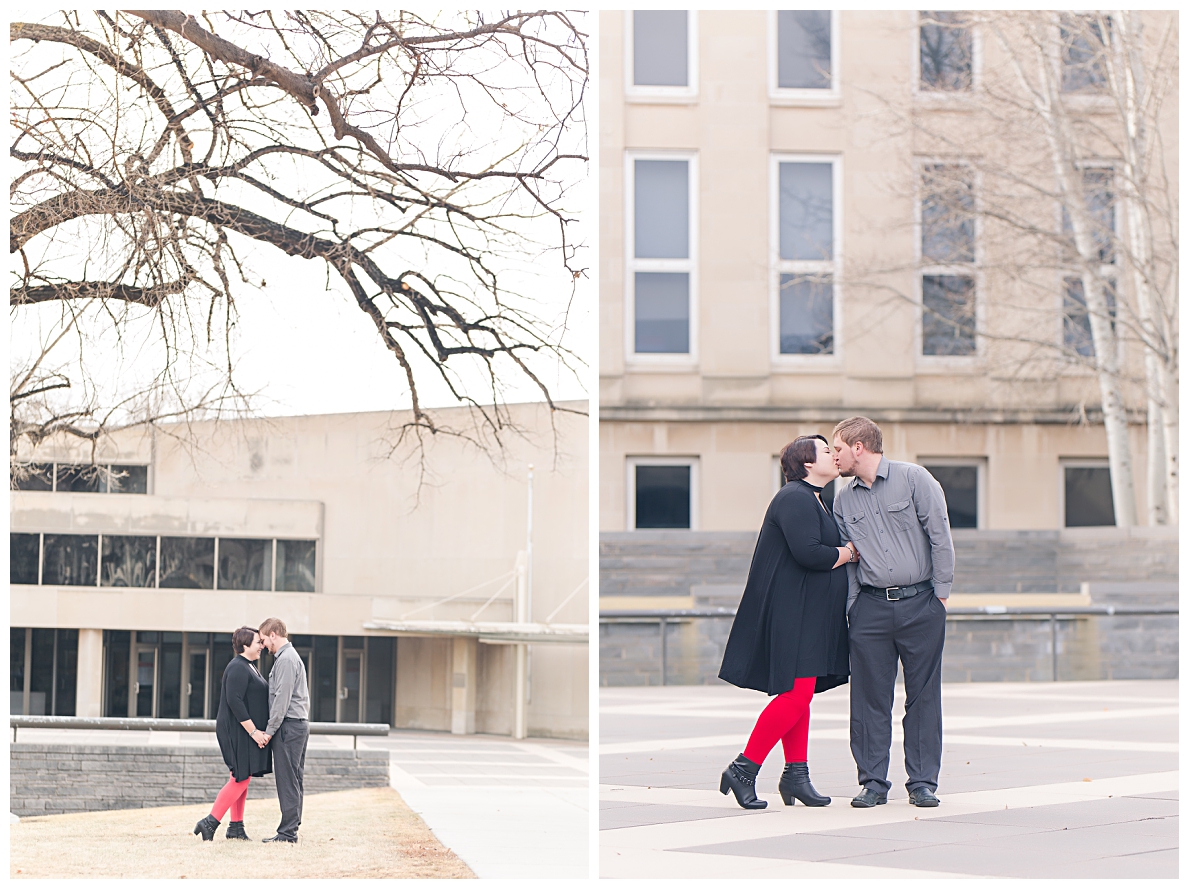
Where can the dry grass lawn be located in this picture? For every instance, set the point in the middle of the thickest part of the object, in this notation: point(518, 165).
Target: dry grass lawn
point(352, 833)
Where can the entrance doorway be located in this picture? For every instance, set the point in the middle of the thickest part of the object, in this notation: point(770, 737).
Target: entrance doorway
point(351, 688)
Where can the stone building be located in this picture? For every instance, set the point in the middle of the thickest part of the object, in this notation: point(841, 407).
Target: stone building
point(400, 592)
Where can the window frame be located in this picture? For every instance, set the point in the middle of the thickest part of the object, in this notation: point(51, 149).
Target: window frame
point(1078, 463)
point(778, 266)
point(631, 462)
point(947, 96)
point(663, 361)
point(946, 363)
point(980, 484)
point(801, 96)
point(677, 95)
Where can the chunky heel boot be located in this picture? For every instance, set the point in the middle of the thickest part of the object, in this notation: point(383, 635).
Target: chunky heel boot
point(740, 777)
point(207, 827)
point(795, 785)
point(235, 831)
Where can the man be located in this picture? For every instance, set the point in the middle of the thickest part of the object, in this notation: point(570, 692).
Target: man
point(288, 726)
point(895, 514)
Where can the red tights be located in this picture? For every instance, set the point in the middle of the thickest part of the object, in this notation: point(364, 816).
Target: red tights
point(785, 719)
point(233, 795)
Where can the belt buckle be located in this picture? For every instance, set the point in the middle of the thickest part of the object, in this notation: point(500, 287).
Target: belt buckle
point(888, 593)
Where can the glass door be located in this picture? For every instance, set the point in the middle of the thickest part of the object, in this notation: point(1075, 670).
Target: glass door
point(349, 692)
point(196, 687)
point(146, 680)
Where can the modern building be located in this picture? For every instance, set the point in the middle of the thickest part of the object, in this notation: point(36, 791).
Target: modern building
point(407, 580)
point(772, 262)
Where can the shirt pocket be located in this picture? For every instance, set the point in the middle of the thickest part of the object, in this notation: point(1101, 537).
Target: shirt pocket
point(856, 525)
point(900, 515)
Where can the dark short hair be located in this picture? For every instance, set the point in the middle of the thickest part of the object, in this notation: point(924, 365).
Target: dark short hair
point(854, 429)
point(274, 625)
point(796, 454)
point(242, 638)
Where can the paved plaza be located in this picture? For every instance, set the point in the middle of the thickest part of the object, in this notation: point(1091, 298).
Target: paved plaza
point(1043, 780)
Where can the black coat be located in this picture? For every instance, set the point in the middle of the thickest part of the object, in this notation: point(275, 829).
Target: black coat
point(244, 696)
point(791, 621)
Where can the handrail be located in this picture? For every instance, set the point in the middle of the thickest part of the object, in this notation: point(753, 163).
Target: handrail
point(663, 616)
point(140, 723)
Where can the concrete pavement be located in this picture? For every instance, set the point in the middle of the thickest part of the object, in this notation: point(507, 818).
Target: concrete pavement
point(1041, 780)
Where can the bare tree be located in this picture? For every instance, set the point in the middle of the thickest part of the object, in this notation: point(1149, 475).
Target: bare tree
point(425, 165)
point(1055, 164)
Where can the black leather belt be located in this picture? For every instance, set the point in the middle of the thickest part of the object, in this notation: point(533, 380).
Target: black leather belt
point(896, 593)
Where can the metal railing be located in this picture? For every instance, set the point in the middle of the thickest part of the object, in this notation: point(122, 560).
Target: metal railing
point(664, 616)
point(140, 724)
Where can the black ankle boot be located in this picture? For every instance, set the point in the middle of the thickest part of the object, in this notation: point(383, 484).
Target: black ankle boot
point(235, 831)
point(740, 777)
point(207, 827)
point(794, 784)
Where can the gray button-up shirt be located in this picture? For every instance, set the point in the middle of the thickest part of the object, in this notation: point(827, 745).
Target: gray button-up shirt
point(900, 525)
point(288, 690)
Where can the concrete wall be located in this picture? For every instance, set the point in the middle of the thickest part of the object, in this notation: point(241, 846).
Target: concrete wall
point(52, 779)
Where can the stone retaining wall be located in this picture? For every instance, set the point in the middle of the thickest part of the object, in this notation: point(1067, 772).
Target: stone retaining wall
point(53, 779)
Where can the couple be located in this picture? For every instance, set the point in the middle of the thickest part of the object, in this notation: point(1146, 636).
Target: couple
point(845, 593)
point(282, 705)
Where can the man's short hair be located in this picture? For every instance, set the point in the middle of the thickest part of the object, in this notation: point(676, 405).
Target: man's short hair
point(274, 625)
point(861, 429)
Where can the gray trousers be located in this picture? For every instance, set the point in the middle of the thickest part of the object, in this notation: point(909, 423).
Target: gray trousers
point(289, 765)
point(911, 631)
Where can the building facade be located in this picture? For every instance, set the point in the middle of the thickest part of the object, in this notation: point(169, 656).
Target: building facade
point(399, 577)
point(772, 262)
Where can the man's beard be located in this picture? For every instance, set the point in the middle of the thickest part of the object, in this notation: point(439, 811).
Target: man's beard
point(846, 473)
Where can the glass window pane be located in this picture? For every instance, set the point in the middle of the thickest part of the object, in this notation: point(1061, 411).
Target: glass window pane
point(323, 683)
point(1088, 500)
point(71, 560)
point(803, 49)
point(1082, 50)
point(16, 670)
point(187, 563)
point(660, 47)
point(1098, 190)
point(662, 496)
point(23, 553)
point(295, 566)
point(121, 479)
point(128, 561)
point(169, 700)
point(947, 214)
point(806, 316)
point(662, 209)
point(32, 477)
point(380, 653)
point(116, 644)
point(41, 673)
point(946, 51)
point(67, 674)
point(948, 316)
point(80, 478)
point(245, 564)
point(807, 211)
point(960, 484)
point(1075, 322)
point(662, 312)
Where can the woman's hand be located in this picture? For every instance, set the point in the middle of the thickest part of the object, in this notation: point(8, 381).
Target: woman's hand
point(846, 554)
point(260, 738)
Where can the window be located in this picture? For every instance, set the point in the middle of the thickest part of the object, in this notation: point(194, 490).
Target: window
point(32, 477)
point(1088, 498)
point(804, 50)
point(1098, 193)
point(1075, 319)
point(295, 565)
point(661, 265)
point(662, 492)
point(81, 478)
point(947, 52)
point(187, 563)
point(128, 561)
point(960, 482)
point(245, 564)
point(24, 557)
point(661, 53)
point(70, 560)
point(1083, 45)
point(805, 236)
point(125, 480)
point(48, 686)
point(948, 254)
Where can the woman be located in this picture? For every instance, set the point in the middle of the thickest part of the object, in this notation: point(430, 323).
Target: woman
point(789, 636)
point(244, 700)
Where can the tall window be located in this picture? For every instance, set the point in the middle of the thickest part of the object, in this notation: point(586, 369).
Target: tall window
point(1075, 321)
point(1098, 195)
point(804, 52)
point(948, 255)
point(662, 492)
point(1088, 498)
point(960, 482)
point(805, 248)
point(947, 52)
point(661, 52)
point(661, 267)
point(1084, 43)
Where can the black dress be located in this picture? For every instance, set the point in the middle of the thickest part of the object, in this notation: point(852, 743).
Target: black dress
point(244, 696)
point(791, 621)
